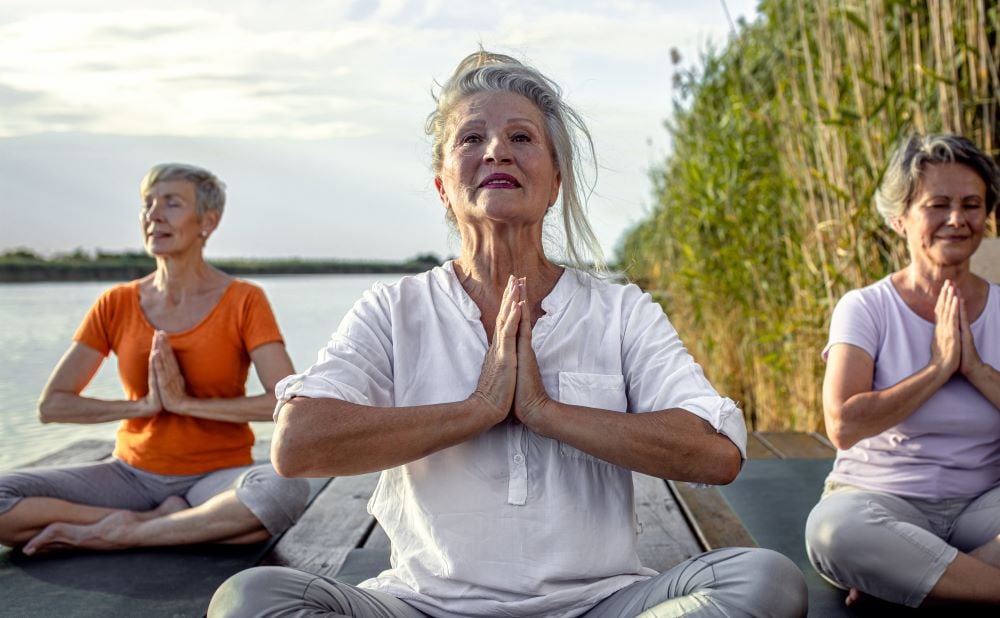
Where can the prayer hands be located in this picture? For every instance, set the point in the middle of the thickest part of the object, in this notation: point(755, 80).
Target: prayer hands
point(167, 390)
point(953, 347)
point(510, 382)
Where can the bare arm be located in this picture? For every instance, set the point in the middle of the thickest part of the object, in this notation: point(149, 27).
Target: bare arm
point(270, 360)
point(331, 437)
point(853, 411)
point(983, 376)
point(61, 401)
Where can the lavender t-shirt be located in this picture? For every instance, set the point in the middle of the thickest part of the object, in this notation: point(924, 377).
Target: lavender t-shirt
point(950, 446)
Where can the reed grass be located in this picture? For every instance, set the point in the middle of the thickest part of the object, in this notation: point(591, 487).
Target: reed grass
point(763, 212)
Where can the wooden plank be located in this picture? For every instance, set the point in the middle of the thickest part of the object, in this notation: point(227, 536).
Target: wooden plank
point(756, 449)
point(711, 519)
point(335, 523)
point(665, 539)
point(377, 539)
point(83, 451)
point(795, 445)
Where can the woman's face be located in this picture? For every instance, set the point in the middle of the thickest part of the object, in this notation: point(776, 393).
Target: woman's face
point(497, 163)
point(944, 221)
point(169, 218)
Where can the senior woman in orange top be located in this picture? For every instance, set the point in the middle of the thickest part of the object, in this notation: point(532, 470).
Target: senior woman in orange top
point(184, 336)
point(492, 392)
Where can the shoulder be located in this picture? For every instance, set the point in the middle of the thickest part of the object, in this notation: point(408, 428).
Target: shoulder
point(120, 294)
point(874, 298)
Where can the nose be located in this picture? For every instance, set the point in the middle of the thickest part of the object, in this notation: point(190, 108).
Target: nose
point(956, 215)
point(152, 211)
point(497, 150)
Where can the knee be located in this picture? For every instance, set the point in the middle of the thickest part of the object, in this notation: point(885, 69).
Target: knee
point(780, 585)
point(276, 501)
point(831, 531)
point(238, 594)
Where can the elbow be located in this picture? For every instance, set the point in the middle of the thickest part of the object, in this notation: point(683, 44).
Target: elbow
point(46, 412)
point(290, 445)
point(730, 464)
point(838, 431)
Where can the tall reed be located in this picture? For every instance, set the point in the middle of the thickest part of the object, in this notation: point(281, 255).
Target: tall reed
point(763, 215)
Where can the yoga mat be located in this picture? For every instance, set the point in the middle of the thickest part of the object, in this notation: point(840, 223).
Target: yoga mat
point(147, 583)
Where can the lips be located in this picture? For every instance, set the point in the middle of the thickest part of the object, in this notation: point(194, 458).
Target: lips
point(499, 181)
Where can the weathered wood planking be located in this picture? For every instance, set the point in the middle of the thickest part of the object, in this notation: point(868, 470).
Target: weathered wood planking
point(665, 539)
point(794, 445)
point(335, 523)
point(84, 451)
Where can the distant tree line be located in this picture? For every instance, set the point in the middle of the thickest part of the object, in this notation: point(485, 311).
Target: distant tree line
point(24, 265)
point(763, 212)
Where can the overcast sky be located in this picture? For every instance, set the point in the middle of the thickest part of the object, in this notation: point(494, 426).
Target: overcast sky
point(312, 112)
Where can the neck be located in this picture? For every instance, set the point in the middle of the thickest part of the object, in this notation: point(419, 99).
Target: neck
point(488, 260)
point(929, 278)
point(177, 275)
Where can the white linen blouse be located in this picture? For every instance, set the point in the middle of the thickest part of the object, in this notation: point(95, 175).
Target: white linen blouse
point(510, 523)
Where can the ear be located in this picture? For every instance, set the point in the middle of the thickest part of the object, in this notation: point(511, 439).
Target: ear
point(209, 221)
point(897, 224)
point(554, 194)
point(439, 185)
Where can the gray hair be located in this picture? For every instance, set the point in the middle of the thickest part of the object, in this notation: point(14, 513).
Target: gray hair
point(485, 71)
point(210, 192)
point(899, 183)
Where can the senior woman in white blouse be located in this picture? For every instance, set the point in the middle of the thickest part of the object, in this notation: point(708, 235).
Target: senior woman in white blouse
point(506, 400)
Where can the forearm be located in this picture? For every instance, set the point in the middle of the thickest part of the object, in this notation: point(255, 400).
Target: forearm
point(234, 410)
point(670, 444)
point(986, 378)
point(870, 413)
point(330, 437)
point(60, 407)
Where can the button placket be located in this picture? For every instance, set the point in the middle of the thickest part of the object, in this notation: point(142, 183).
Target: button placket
point(517, 466)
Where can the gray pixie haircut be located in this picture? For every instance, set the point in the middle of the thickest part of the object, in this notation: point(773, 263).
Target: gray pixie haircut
point(210, 192)
point(899, 184)
point(485, 71)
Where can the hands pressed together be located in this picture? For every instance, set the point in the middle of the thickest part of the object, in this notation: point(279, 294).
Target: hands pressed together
point(166, 384)
point(953, 348)
point(510, 382)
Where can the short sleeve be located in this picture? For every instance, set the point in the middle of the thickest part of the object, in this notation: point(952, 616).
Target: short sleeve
point(855, 322)
point(660, 374)
point(356, 365)
point(95, 330)
point(259, 325)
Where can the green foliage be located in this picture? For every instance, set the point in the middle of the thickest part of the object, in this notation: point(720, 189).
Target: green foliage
point(763, 214)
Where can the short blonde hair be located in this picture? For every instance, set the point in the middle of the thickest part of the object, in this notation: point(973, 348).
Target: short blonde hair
point(210, 192)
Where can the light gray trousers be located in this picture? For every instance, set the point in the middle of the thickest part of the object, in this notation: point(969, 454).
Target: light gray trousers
point(891, 547)
point(276, 501)
point(724, 582)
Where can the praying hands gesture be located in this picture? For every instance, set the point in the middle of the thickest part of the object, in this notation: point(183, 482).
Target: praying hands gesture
point(510, 382)
point(953, 349)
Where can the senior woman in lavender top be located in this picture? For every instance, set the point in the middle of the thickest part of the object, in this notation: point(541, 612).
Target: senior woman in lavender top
point(911, 511)
point(507, 399)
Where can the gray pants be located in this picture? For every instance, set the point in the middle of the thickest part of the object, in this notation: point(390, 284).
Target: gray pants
point(724, 582)
point(891, 547)
point(276, 501)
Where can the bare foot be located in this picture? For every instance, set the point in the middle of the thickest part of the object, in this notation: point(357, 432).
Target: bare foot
point(112, 532)
point(853, 596)
point(988, 552)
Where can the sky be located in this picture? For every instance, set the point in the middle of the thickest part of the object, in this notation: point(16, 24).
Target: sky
point(312, 113)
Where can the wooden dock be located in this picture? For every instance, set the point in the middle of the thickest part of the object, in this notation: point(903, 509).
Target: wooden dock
point(337, 537)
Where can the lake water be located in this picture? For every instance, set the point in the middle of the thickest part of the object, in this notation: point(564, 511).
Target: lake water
point(37, 321)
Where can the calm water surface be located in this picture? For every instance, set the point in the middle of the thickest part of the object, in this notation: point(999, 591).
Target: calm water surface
point(37, 321)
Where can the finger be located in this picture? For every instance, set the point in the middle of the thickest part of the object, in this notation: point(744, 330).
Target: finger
point(505, 299)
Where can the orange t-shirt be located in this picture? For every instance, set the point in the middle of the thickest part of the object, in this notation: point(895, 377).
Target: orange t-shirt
point(214, 359)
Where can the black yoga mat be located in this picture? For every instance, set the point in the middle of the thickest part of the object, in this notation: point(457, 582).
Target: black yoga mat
point(773, 497)
point(148, 583)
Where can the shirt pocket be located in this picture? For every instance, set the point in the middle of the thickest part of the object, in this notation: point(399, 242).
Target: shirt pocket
point(593, 390)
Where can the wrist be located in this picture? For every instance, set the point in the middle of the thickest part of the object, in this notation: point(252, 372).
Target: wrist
point(539, 416)
point(486, 408)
